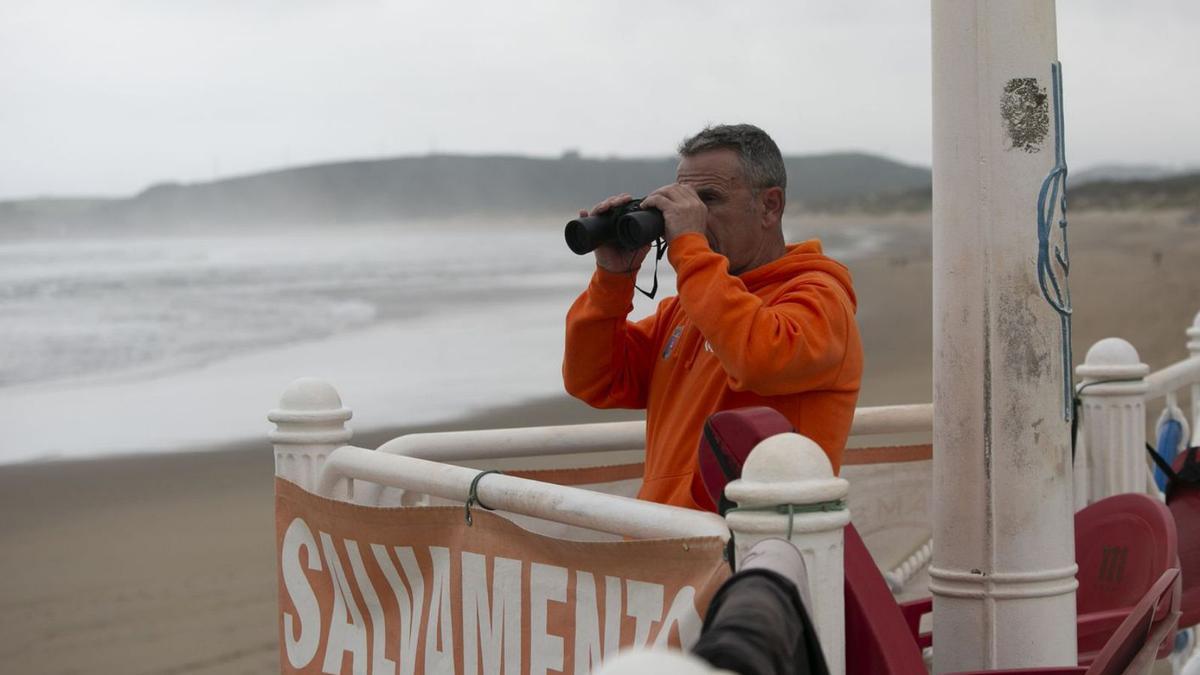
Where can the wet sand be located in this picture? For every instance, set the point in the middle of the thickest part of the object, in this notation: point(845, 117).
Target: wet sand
point(164, 563)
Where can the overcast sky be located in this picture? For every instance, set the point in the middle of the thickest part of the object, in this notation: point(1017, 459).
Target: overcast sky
point(105, 97)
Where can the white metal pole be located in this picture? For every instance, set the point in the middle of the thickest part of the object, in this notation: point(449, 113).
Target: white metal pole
point(1003, 572)
point(310, 423)
point(1111, 458)
point(789, 469)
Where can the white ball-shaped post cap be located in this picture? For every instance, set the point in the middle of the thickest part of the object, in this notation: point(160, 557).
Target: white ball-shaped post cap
point(310, 393)
point(1112, 358)
point(657, 662)
point(786, 457)
point(786, 469)
point(310, 412)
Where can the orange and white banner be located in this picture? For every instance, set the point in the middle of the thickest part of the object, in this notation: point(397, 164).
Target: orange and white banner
point(416, 590)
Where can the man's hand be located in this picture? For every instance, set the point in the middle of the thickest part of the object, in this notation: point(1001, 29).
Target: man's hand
point(681, 207)
point(609, 256)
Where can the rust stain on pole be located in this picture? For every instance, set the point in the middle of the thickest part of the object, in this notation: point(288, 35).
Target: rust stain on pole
point(1025, 109)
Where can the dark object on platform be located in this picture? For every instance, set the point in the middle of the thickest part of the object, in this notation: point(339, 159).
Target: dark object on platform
point(729, 436)
point(629, 226)
point(756, 625)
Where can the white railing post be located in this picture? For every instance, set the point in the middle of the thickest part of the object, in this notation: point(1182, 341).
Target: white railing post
point(310, 423)
point(791, 470)
point(1110, 456)
point(1193, 346)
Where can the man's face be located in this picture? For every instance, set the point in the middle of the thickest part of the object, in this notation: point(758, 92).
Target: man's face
point(735, 226)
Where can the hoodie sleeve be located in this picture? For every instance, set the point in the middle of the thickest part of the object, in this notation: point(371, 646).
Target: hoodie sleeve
point(608, 360)
point(797, 342)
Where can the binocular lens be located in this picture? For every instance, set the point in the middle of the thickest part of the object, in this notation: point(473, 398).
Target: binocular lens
point(627, 226)
point(585, 234)
point(640, 228)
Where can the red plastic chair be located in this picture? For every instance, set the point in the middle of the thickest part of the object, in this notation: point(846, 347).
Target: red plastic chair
point(878, 637)
point(1134, 644)
point(878, 640)
point(1183, 499)
point(1123, 544)
point(881, 636)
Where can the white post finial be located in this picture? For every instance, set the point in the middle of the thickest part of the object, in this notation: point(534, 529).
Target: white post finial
point(1110, 456)
point(789, 469)
point(309, 424)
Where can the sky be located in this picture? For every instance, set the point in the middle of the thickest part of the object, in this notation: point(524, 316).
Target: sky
point(106, 97)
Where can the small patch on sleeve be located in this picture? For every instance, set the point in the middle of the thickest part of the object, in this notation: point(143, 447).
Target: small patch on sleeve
point(671, 341)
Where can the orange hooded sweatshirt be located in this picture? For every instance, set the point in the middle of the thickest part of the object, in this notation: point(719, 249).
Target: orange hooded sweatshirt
point(781, 335)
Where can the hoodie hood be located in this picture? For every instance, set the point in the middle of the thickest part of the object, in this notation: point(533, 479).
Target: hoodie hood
point(803, 258)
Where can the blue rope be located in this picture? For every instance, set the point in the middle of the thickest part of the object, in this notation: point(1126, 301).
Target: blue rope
point(1052, 197)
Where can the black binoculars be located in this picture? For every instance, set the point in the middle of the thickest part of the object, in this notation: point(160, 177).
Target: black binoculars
point(629, 226)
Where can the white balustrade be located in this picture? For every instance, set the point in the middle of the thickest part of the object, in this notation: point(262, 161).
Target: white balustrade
point(1109, 453)
point(309, 423)
point(1115, 393)
point(789, 470)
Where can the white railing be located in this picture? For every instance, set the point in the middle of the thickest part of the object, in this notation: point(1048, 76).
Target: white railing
point(1115, 391)
point(459, 446)
point(567, 505)
point(787, 469)
point(613, 437)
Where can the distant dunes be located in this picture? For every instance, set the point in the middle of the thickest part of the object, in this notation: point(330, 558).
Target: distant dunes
point(1173, 192)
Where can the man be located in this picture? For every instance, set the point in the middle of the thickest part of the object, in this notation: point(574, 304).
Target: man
point(756, 321)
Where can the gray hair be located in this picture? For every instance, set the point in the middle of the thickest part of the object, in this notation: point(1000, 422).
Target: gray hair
point(762, 163)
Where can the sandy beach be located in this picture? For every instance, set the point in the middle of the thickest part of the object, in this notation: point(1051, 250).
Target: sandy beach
point(164, 563)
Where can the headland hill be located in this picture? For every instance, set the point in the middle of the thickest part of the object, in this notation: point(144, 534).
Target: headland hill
point(474, 188)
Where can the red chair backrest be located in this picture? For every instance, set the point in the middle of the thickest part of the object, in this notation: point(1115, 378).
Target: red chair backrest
point(729, 436)
point(1183, 499)
point(1122, 545)
point(878, 640)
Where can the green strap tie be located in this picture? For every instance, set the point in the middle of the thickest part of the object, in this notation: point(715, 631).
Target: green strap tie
point(792, 509)
point(473, 495)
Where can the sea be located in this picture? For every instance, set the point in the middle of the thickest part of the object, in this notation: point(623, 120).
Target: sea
point(130, 344)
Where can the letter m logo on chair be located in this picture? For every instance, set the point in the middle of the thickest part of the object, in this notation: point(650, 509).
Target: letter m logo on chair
point(1112, 565)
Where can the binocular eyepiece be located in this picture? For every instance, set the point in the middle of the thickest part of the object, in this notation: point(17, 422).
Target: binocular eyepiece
point(629, 226)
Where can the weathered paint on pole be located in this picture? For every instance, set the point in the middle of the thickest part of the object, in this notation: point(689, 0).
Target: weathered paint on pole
point(1003, 572)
